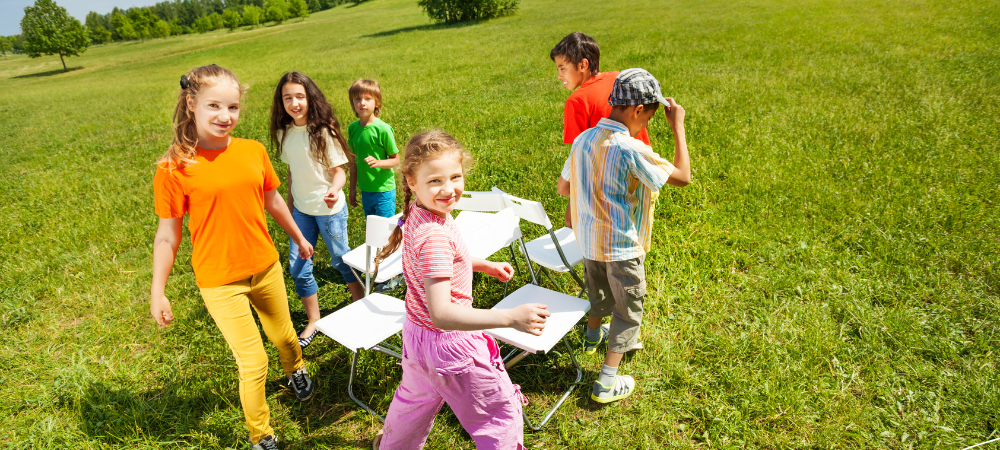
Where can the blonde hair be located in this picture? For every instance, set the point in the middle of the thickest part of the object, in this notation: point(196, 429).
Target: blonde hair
point(419, 149)
point(184, 147)
point(361, 87)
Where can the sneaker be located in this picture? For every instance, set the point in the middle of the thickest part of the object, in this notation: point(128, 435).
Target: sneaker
point(377, 441)
point(590, 347)
point(268, 443)
point(621, 388)
point(301, 384)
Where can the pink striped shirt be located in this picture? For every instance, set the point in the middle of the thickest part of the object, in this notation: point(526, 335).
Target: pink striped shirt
point(433, 248)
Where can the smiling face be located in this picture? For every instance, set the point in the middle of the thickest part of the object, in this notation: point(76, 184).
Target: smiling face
point(216, 112)
point(364, 105)
point(438, 183)
point(293, 95)
point(572, 75)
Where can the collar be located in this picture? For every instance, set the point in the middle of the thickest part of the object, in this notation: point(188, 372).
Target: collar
point(612, 125)
point(423, 215)
point(593, 79)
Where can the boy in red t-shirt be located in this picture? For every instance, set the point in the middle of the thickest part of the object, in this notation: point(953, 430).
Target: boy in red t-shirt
point(577, 58)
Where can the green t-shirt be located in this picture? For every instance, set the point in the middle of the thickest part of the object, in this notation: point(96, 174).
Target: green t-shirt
point(378, 140)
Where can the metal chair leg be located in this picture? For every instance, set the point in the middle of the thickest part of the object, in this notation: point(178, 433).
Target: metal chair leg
point(350, 388)
point(551, 412)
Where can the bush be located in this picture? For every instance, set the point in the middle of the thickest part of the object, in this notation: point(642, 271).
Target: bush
point(452, 11)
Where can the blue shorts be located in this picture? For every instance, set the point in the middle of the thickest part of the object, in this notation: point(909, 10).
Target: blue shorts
point(379, 203)
point(334, 231)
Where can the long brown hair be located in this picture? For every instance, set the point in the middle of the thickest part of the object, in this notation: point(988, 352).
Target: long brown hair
point(184, 147)
point(420, 148)
point(321, 121)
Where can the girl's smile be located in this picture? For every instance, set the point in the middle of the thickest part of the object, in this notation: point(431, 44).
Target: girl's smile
point(438, 183)
point(216, 113)
point(293, 95)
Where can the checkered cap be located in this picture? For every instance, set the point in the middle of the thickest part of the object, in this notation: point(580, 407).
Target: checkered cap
point(635, 87)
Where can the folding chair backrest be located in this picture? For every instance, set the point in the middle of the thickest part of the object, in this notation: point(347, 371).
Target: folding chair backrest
point(529, 210)
point(378, 229)
point(481, 201)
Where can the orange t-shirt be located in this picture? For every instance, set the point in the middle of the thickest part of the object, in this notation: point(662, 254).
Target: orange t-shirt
point(223, 195)
point(588, 104)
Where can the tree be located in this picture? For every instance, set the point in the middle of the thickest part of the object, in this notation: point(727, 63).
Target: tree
point(252, 15)
point(5, 46)
point(202, 24)
point(124, 28)
point(275, 10)
point(298, 8)
point(231, 19)
point(49, 30)
point(216, 20)
point(161, 29)
point(452, 11)
point(95, 28)
point(176, 29)
point(143, 20)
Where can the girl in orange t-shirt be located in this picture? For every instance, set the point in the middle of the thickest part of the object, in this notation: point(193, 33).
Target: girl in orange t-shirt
point(224, 185)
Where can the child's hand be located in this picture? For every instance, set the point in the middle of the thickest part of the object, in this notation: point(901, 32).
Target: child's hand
point(529, 318)
point(674, 114)
point(331, 198)
point(372, 162)
point(352, 199)
point(500, 270)
point(160, 309)
point(305, 249)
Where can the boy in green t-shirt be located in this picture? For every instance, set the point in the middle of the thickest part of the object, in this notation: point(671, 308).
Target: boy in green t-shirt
point(374, 145)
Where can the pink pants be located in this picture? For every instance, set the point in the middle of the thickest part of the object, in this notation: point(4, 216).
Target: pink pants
point(464, 369)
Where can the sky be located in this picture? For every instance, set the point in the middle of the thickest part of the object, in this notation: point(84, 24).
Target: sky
point(11, 11)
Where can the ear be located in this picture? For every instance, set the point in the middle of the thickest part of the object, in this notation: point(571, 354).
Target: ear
point(410, 182)
point(638, 111)
point(584, 65)
point(190, 103)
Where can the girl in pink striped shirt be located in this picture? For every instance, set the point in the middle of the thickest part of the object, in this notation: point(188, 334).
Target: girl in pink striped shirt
point(446, 358)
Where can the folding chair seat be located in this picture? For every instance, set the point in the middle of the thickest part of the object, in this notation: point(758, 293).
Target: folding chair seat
point(557, 251)
point(566, 312)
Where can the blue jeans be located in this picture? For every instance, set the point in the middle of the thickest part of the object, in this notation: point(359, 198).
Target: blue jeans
point(379, 203)
point(334, 231)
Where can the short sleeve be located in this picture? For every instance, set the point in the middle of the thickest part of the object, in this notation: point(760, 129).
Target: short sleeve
point(168, 195)
point(437, 254)
point(335, 151)
point(271, 181)
point(281, 141)
point(574, 118)
point(388, 138)
point(649, 167)
point(567, 166)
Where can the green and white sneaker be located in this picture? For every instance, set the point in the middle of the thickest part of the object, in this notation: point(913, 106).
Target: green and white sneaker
point(590, 347)
point(621, 388)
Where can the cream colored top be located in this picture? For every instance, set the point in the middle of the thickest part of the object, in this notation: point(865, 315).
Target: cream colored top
point(310, 180)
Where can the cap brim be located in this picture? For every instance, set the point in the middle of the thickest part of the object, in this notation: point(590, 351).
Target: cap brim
point(663, 100)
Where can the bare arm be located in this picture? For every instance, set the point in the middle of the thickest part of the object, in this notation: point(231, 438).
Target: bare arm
point(276, 207)
point(352, 197)
point(339, 179)
point(387, 163)
point(165, 243)
point(563, 189)
point(291, 198)
point(681, 176)
point(529, 318)
point(499, 270)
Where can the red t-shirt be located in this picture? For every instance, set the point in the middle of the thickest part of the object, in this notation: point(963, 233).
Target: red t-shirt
point(433, 248)
point(223, 195)
point(588, 105)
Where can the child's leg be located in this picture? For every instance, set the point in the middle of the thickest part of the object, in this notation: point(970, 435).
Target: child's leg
point(628, 283)
point(379, 203)
point(269, 298)
point(334, 231)
point(301, 270)
point(602, 302)
point(479, 391)
point(229, 306)
point(415, 403)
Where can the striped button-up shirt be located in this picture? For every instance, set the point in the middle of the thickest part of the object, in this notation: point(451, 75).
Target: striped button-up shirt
point(614, 181)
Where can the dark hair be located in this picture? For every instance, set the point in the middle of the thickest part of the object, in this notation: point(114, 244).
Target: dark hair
point(420, 148)
point(576, 47)
point(320, 119)
point(645, 107)
point(184, 147)
point(361, 87)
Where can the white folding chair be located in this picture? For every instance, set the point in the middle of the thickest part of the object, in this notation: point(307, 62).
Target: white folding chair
point(366, 323)
point(488, 224)
point(558, 251)
point(362, 258)
point(566, 312)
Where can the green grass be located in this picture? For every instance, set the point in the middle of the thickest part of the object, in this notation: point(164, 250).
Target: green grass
point(829, 280)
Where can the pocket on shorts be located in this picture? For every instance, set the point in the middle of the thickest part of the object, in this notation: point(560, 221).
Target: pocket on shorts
point(637, 291)
point(453, 358)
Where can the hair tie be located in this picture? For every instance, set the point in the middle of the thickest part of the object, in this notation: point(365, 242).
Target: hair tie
point(400, 222)
point(185, 82)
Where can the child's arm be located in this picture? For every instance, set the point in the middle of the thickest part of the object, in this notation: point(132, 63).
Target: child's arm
point(165, 243)
point(499, 270)
point(352, 197)
point(563, 189)
point(389, 162)
point(276, 207)
point(339, 179)
point(291, 199)
point(529, 318)
point(681, 176)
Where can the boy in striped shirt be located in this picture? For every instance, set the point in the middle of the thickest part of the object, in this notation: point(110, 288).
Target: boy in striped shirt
point(612, 180)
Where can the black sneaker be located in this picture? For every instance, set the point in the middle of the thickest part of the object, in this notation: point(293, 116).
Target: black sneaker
point(268, 443)
point(301, 384)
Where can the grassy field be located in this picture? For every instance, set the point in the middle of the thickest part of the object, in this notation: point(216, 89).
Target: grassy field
point(829, 279)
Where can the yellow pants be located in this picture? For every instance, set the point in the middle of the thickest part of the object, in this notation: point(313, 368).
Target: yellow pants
point(230, 306)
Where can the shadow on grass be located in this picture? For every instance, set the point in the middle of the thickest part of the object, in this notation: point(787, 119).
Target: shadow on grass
point(427, 27)
point(48, 73)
